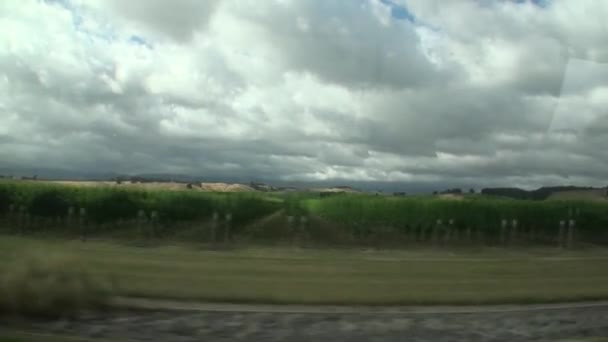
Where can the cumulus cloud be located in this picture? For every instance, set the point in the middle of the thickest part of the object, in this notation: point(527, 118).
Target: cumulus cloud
point(416, 91)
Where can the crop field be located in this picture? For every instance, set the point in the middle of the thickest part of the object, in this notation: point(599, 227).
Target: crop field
point(341, 219)
point(485, 218)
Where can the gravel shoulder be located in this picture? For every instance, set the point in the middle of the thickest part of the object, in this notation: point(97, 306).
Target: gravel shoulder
point(160, 305)
point(166, 321)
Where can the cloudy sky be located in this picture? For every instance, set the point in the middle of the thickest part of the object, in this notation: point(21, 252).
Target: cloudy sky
point(473, 92)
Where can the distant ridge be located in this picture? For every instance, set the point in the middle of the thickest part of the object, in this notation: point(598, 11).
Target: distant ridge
point(542, 193)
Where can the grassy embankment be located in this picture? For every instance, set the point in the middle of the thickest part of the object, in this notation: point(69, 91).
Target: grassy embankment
point(271, 275)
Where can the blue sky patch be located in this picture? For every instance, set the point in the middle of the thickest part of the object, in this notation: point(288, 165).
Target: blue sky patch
point(399, 12)
point(138, 40)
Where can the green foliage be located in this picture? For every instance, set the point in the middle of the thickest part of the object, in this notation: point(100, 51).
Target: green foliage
point(5, 200)
point(114, 205)
point(294, 204)
point(108, 204)
point(483, 213)
point(356, 215)
point(50, 203)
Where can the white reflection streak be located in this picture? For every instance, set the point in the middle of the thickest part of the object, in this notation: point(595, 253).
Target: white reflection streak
point(571, 114)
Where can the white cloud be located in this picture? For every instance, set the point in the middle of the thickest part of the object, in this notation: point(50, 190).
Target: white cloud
point(473, 92)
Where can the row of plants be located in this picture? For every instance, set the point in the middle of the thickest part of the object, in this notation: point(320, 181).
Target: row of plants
point(482, 213)
point(107, 204)
point(363, 215)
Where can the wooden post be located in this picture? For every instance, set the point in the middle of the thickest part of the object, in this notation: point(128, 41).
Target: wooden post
point(303, 226)
point(514, 225)
point(227, 230)
point(435, 236)
point(503, 232)
point(561, 234)
point(571, 227)
point(479, 236)
point(141, 220)
point(448, 233)
point(303, 222)
point(532, 235)
point(154, 222)
point(27, 220)
point(290, 225)
point(82, 223)
point(11, 218)
point(21, 220)
point(70, 217)
point(214, 225)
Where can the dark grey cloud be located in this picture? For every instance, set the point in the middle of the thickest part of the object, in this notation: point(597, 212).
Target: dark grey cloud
point(344, 43)
point(178, 19)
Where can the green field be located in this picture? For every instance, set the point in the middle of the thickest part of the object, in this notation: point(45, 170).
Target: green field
point(286, 275)
point(355, 219)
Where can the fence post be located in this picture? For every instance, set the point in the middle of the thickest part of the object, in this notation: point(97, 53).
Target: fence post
point(448, 233)
point(11, 218)
point(141, 219)
point(22, 219)
point(514, 225)
point(82, 223)
point(533, 235)
point(303, 222)
point(407, 231)
point(291, 228)
point(561, 234)
point(468, 234)
point(435, 234)
point(214, 224)
point(227, 231)
point(154, 222)
point(503, 232)
point(571, 227)
point(303, 226)
point(70, 217)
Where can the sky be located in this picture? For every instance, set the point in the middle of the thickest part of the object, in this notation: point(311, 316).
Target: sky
point(475, 92)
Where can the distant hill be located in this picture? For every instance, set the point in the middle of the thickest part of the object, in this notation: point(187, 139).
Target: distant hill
point(592, 194)
point(553, 192)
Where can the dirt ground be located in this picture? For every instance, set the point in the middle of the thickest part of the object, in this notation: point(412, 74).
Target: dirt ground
point(536, 323)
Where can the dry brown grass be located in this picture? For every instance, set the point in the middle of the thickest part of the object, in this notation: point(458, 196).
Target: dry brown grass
point(172, 186)
point(50, 285)
point(588, 195)
point(225, 187)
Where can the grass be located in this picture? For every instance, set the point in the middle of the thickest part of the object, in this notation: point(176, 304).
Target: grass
point(17, 336)
point(284, 275)
point(47, 283)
